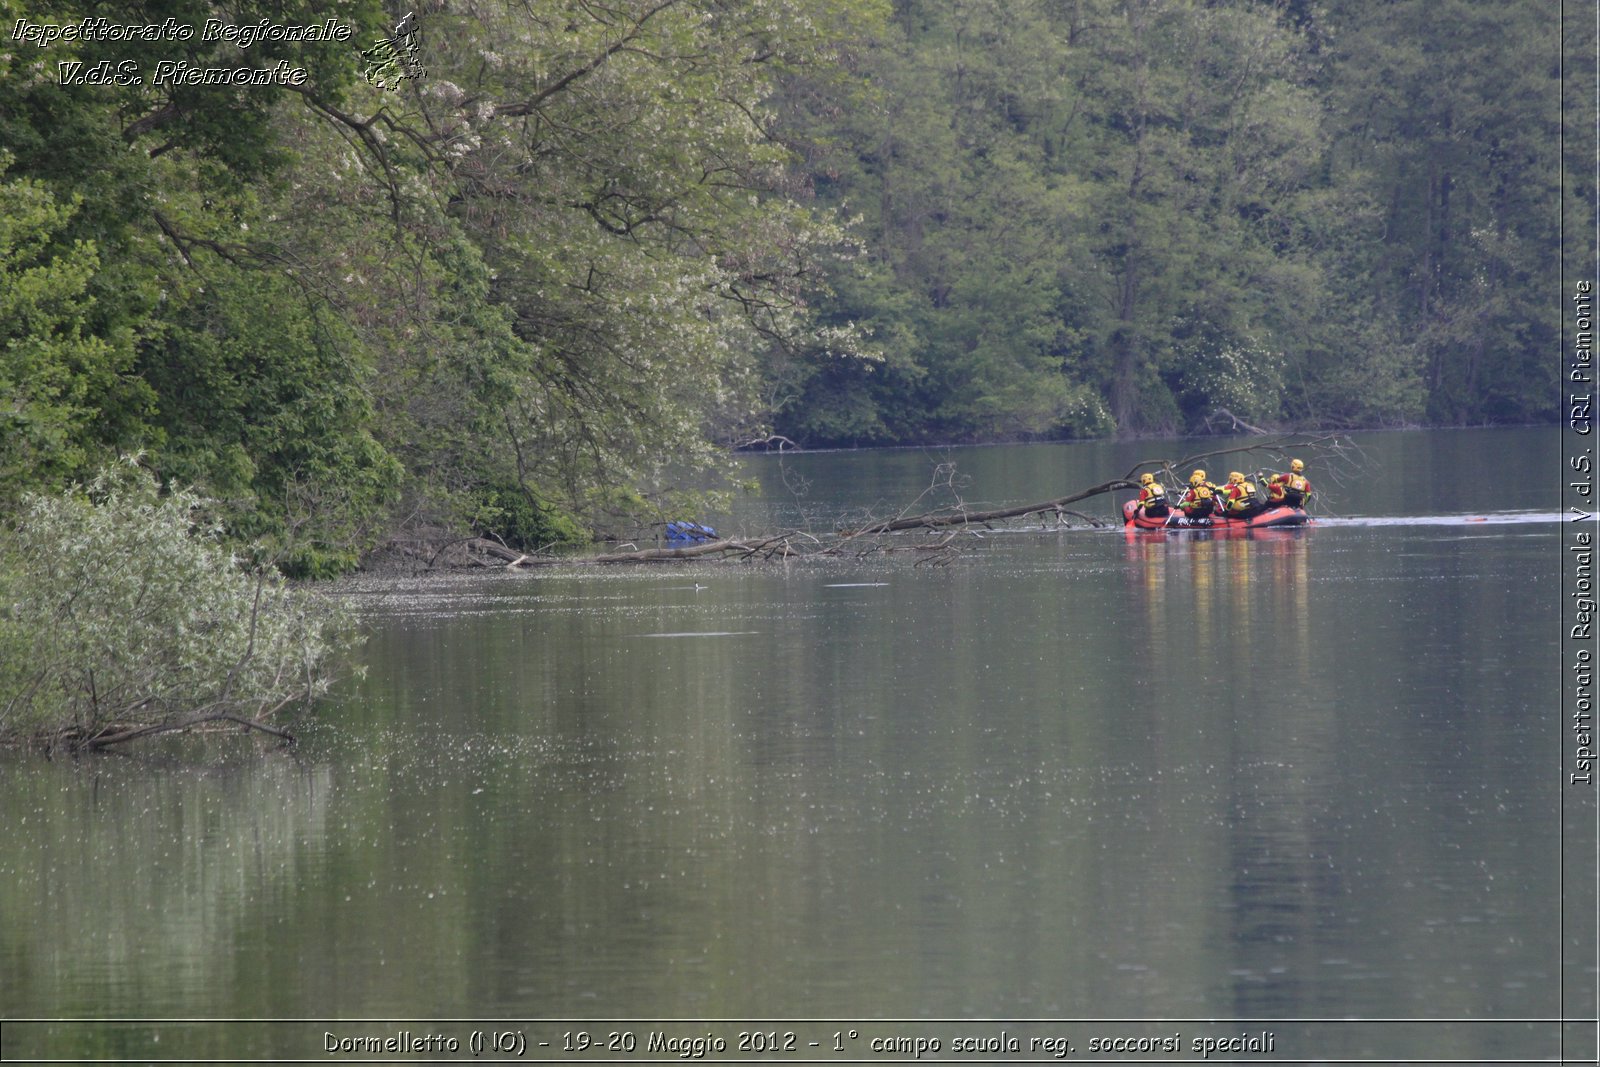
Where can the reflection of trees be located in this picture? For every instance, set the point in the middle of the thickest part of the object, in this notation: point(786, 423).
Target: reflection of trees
point(1041, 783)
point(133, 879)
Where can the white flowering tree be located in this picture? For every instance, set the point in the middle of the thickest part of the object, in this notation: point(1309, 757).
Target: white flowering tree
point(635, 216)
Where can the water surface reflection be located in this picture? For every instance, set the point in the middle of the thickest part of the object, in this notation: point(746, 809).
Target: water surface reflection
point(1075, 774)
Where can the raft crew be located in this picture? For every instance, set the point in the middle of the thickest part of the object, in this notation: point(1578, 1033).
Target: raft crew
point(1290, 489)
point(1199, 499)
point(1239, 497)
point(1152, 497)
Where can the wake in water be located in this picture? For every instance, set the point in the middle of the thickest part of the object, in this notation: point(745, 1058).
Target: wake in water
point(1490, 517)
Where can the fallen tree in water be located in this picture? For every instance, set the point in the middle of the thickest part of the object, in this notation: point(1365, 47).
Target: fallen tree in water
point(871, 535)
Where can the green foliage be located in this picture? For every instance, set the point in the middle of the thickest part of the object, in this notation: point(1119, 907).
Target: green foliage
point(1467, 171)
point(147, 311)
point(230, 125)
point(265, 402)
point(1164, 208)
point(123, 606)
point(512, 513)
point(1216, 372)
point(1049, 193)
point(56, 377)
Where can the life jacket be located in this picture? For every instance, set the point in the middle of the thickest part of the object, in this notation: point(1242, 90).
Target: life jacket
point(1241, 496)
point(1153, 499)
point(1290, 489)
point(1199, 500)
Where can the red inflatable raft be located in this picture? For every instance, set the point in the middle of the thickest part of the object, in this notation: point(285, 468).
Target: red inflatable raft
point(1271, 518)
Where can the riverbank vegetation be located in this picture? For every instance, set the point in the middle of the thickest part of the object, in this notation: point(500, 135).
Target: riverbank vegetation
point(541, 277)
point(123, 614)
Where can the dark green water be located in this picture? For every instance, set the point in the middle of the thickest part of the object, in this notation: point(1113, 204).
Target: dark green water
point(1073, 775)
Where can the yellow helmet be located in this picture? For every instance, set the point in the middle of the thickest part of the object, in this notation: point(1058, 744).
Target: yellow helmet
point(1197, 477)
point(1235, 476)
point(1146, 478)
point(1296, 466)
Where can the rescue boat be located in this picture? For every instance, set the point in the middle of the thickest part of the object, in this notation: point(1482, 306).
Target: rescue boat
point(1269, 518)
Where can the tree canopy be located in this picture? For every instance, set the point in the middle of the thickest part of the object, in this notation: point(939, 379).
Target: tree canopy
point(1093, 216)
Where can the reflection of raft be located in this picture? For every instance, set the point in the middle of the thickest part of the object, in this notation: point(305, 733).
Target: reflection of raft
point(1271, 518)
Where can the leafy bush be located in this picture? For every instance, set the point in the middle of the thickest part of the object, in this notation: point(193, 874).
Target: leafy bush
point(121, 610)
point(521, 520)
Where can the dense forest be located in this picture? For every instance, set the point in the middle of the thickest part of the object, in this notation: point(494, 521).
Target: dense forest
point(534, 267)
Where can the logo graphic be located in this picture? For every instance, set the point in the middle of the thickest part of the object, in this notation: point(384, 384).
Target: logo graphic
point(394, 59)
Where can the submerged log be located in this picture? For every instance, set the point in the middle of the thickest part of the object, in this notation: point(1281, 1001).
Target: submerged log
point(723, 546)
point(115, 736)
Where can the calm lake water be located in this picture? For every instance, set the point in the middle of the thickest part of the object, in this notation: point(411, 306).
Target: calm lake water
point(1071, 785)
